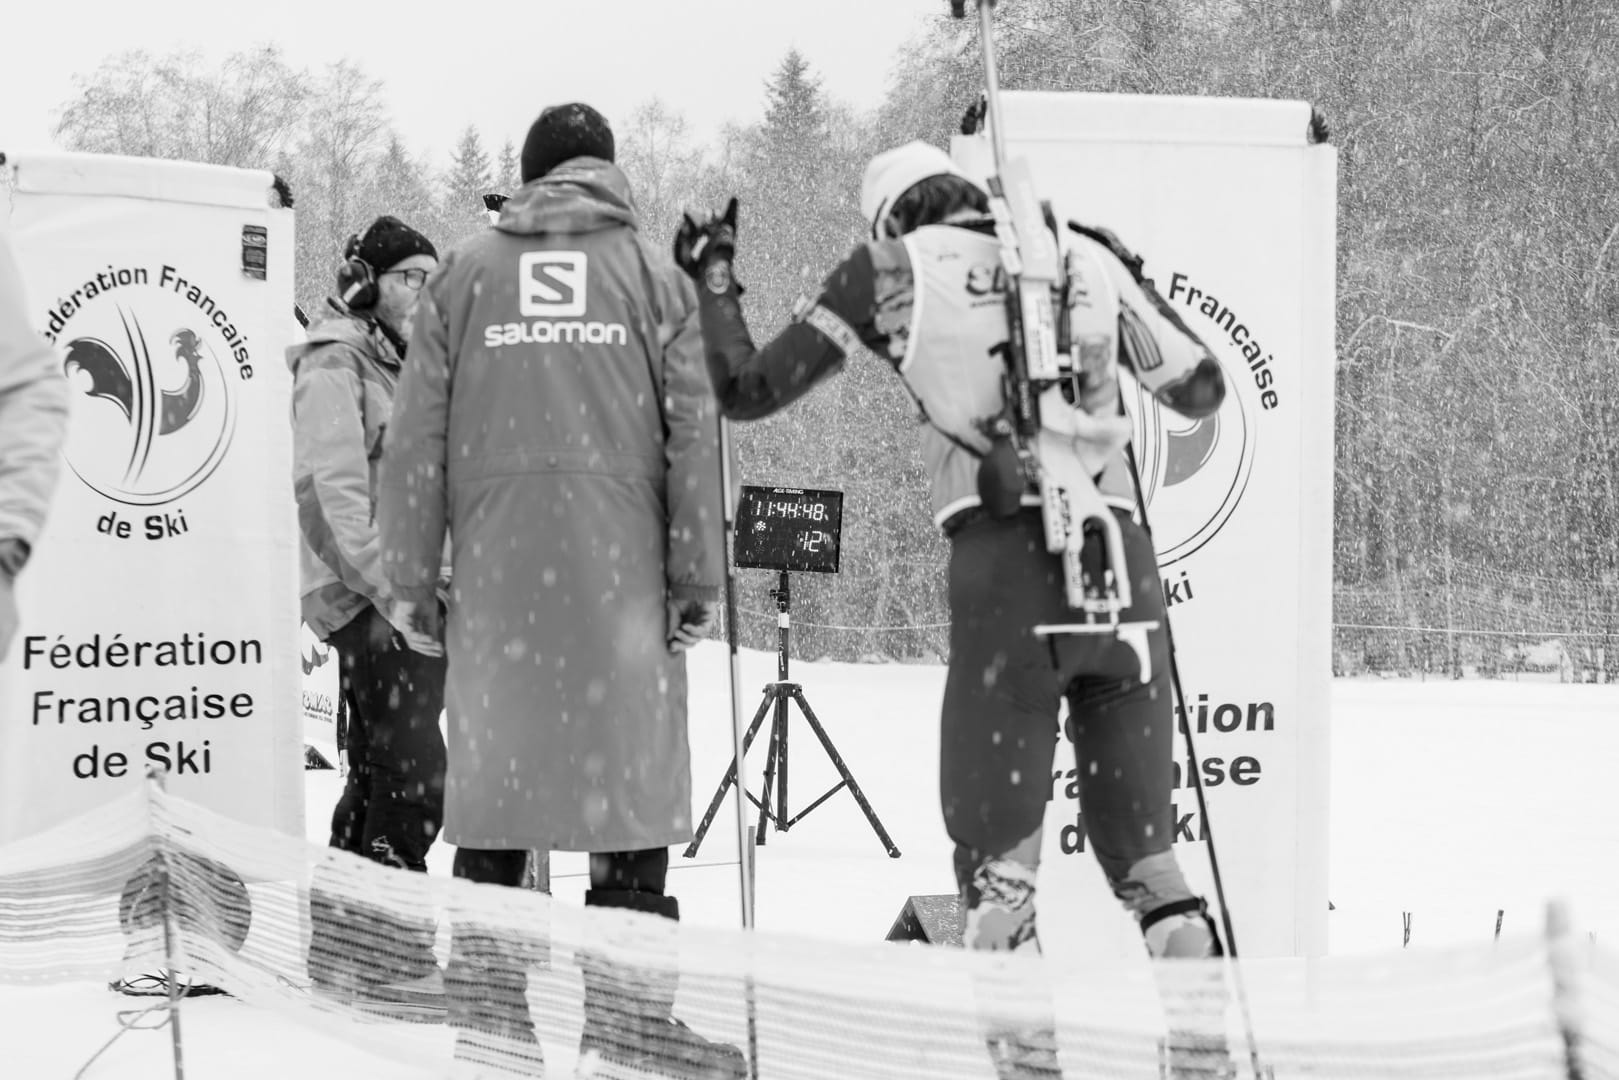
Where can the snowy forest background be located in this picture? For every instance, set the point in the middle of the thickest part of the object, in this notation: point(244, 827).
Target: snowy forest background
point(1478, 288)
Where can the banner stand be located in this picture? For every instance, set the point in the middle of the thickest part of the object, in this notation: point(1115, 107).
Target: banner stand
point(159, 612)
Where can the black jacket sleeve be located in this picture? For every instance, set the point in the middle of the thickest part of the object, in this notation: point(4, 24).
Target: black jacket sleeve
point(751, 382)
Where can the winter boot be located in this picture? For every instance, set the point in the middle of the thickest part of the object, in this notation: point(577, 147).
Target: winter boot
point(359, 950)
point(998, 894)
point(1024, 1055)
point(1194, 994)
point(416, 1001)
point(486, 984)
point(630, 1030)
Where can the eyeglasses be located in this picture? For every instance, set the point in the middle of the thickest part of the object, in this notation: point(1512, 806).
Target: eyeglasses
point(414, 277)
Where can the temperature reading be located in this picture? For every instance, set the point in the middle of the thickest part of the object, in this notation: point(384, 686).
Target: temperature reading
point(789, 529)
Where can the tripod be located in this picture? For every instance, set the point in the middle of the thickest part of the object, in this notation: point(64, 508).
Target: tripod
point(776, 697)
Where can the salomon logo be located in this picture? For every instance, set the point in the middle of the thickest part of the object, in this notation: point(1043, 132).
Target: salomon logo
point(551, 284)
point(548, 332)
point(551, 291)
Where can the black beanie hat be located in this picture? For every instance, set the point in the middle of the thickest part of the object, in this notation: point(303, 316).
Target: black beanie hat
point(562, 133)
point(387, 242)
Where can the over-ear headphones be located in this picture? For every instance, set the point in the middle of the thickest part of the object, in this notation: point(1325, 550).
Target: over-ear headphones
point(356, 278)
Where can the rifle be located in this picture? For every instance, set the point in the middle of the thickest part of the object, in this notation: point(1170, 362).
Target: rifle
point(1042, 376)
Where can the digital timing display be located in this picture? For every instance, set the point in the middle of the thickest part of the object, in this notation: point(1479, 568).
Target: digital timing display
point(789, 529)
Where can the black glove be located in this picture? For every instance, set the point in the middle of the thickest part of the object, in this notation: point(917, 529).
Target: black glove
point(1318, 131)
point(972, 121)
point(13, 554)
point(1130, 259)
point(697, 244)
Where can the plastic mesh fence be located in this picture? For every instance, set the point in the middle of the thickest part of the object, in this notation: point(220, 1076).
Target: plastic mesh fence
point(465, 980)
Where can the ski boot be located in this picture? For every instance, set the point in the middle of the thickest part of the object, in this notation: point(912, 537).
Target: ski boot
point(630, 1030)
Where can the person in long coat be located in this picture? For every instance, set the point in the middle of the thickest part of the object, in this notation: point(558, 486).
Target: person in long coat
point(557, 419)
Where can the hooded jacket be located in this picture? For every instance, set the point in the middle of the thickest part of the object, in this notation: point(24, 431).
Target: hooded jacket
point(344, 376)
point(33, 411)
point(556, 418)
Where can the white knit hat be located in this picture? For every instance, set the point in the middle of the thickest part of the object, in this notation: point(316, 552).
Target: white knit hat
point(894, 172)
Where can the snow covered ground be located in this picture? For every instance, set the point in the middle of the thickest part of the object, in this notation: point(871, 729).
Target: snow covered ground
point(1451, 801)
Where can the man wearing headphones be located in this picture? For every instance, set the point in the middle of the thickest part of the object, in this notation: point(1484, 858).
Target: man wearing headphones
point(344, 376)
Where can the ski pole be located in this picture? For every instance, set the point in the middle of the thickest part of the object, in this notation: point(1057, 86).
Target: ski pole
point(739, 725)
point(992, 78)
point(1197, 778)
point(738, 735)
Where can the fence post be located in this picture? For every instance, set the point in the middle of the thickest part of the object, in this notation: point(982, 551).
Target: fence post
point(1563, 960)
point(165, 901)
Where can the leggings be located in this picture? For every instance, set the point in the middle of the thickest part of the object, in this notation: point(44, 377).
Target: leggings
point(999, 723)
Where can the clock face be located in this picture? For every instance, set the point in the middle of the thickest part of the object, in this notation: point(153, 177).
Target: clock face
point(789, 529)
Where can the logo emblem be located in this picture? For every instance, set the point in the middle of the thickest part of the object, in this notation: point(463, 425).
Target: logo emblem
point(551, 284)
point(1193, 472)
point(158, 414)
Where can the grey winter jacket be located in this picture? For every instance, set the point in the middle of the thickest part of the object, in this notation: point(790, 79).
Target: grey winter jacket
point(343, 381)
point(33, 411)
point(556, 418)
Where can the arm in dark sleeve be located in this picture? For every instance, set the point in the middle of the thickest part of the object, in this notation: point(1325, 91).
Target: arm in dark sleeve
point(750, 382)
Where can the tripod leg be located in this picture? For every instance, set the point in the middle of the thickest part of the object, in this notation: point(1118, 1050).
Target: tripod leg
point(725, 784)
point(843, 771)
point(782, 822)
point(772, 763)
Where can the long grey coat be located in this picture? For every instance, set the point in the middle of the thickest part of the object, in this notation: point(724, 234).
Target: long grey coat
point(556, 416)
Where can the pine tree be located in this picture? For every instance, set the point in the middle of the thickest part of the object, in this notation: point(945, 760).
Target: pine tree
point(398, 185)
point(508, 177)
point(468, 180)
point(795, 111)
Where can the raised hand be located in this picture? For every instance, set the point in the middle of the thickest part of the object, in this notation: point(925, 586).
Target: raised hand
point(698, 243)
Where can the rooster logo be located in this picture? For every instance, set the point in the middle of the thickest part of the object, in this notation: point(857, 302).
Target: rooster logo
point(163, 455)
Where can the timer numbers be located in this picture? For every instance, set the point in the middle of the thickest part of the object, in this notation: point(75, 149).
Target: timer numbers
point(795, 511)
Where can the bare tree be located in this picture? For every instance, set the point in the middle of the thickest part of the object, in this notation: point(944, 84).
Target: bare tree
point(656, 153)
point(243, 113)
point(347, 129)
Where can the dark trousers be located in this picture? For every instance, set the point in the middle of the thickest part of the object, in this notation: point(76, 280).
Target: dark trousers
point(391, 806)
point(393, 799)
point(999, 722)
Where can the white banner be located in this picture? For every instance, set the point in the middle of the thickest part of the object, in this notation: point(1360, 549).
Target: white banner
point(1234, 213)
point(159, 613)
